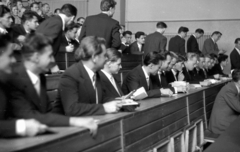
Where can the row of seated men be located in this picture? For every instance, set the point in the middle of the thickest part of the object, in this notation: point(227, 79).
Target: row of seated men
point(86, 88)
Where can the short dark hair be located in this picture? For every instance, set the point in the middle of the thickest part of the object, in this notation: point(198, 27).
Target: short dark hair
point(34, 3)
point(80, 18)
point(181, 58)
point(127, 32)
point(213, 56)
point(153, 57)
point(183, 29)
point(44, 4)
point(90, 45)
point(161, 25)
point(69, 10)
point(57, 9)
point(113, 55)
point(222, 57)
point(29, 16)
point(34, 42)
point(106, 4)
point(4, 10)
point(236, 75)
point(165, 54)
point(71, 26)
point(18, 1)
point(139, 34)
point(201, 55)
point(200, 31)
point(236, 41)
point(216, 33)
point(191, 55)
point(5, 40)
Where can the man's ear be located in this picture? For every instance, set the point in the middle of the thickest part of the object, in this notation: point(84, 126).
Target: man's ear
point(34, 58)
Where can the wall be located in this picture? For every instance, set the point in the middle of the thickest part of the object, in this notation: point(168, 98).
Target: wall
point(229, 27)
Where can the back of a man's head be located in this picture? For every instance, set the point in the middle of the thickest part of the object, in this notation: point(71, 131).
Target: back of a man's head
point(152, 58)
point(28, 16)
point(90, 46)
point(33, 43)
point(236, 75)
point(107, 4)
point(161, 25)
point(69, 10)
point(183, 29)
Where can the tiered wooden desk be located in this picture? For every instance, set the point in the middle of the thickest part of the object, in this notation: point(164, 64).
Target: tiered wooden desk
point(154, 121)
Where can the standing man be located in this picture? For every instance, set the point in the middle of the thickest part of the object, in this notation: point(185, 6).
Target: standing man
point(156, 41)
point(102, 25)
point(210, 44)
point(192, 44)
point(53, 27)
point(177, 43)
point(45, 10)
point(235, 55)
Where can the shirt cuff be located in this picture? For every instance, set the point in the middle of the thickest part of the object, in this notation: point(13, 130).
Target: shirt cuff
point(21, 127)
point(175, 89)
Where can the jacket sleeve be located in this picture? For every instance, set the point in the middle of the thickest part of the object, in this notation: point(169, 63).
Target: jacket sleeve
point(116, 41)
point(162, 45)
point(7, 128)
point(73, 105)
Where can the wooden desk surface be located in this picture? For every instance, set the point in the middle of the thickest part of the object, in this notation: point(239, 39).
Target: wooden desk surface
point(123, 131)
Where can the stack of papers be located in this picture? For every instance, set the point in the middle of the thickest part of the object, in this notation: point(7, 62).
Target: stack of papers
point(129, 102)
point(179, 84)
point(140, 94)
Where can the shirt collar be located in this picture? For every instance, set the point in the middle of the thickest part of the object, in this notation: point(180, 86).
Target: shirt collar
point(33, 77)
point(109, 76)
point(3, 31)
point(237, 50)
point(213, 40)
point(174, 72)
point(194, 35)
point(145, 72)
point(90, 72)
point(62, 17)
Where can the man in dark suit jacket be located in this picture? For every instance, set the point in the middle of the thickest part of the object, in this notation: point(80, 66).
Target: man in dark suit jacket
point(177, 43)
point(188, 67)
point(222, 63)
point(29, 25)
point(69, 42)
point(210, 44)
point(126, 41)
point(53, 27)
point(235, 55)
point(19, 127)
point(226, 107)
point(137, 46)
point(28, 96)
point(156, 41)
point(80, 88)
point(102, 25)
point(192, 44)
point(140, 77)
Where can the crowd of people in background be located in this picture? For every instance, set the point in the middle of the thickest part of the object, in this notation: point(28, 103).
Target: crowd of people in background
point(88, 87)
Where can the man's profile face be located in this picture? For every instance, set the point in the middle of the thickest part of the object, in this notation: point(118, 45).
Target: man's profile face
point(166, 63)
point(155, 67)
point(128, 38)
point(141, 39)
point(192, 63)
point(45, 59)
point(7, 59)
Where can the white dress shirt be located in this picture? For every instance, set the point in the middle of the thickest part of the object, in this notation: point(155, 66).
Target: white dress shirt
point(146, 75)
point(63, 20)
point(35, 81)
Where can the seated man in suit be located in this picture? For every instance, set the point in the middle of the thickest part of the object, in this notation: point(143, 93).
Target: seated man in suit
point(69, 43)
point(137, 46)
point(222, 63)
point(19, 127)
point(53, 27)
point(173, 74)
point(188, 67)
point(226, 107)
point(177, 43)
point(235, 55)
point(156, 41)
point(210, 44)
point(28, 96)
point(110, 88)
point(201, 72)
point(80, 87)
point(126, 41)
point(192, 44)
point(140, 77)
point(29, 25)
point(160, 80)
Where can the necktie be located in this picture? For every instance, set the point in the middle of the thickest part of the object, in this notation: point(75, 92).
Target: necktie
point(95, 87)
point(205, 74)
point(114, 84)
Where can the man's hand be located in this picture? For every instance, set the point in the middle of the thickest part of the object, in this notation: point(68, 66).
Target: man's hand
point(33, 127)
point(112, 106)
point(216, 76)
point(69, 48)
point(21, 38)
point(166, 92)
point(88, 123)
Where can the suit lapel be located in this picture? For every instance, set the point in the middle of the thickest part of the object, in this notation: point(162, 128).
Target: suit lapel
point(87, 82)
point(29, 89)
